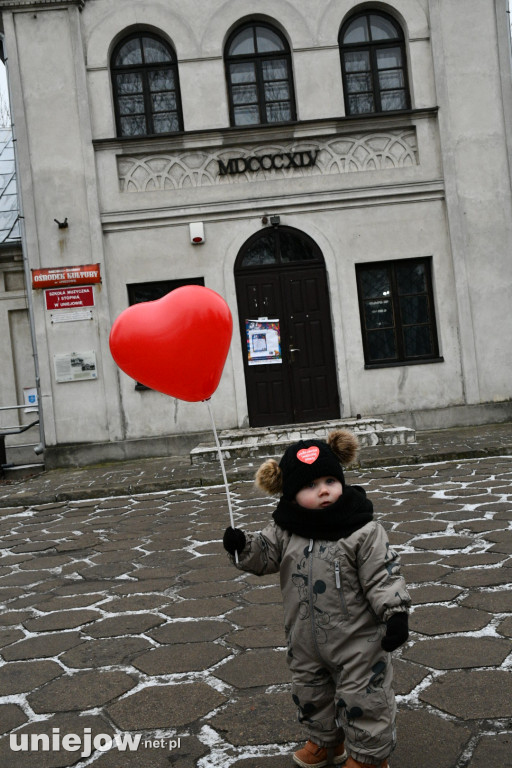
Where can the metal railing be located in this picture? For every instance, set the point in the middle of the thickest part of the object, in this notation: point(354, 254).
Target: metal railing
point(17, 429)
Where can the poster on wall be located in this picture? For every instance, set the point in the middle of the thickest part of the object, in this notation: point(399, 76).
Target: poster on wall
point(75, 366)
point(263, 342)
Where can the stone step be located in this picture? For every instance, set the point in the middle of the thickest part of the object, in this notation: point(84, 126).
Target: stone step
point(15, 472)
point(271, 441)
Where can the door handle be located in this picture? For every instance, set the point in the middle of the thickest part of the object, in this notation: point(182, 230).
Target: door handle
point(292, 350)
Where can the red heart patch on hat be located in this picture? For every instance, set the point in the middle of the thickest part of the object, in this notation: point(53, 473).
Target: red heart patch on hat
point(308, 455)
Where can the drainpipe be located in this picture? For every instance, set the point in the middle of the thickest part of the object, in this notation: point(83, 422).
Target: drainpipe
point(39, 449)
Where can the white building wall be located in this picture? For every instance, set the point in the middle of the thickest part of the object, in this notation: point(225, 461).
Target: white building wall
point(450, 202)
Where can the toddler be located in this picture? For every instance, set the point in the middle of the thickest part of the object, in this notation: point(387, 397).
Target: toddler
point(345, 601)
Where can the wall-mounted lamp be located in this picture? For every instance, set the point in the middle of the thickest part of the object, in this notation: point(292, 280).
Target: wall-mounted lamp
point(62, 224)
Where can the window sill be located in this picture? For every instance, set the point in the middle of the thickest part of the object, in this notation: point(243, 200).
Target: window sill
point(400, 364)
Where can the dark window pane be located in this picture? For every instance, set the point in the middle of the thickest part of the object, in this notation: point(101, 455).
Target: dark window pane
point(131, 105)
point(381, 345)
point(163, 102)
point(293, 248)
point(414, 309)
point(378, 313)
point(275, 69)
point(161, 80)
point(417, 341)
point(129, 54)
point(243, 43)
point(361, 104)
point(391, 100)
point(155, 51)
point(361, 83)
point(392, 78)
point(411, 278)
point(244, 94)
point(247, 115)
point(166, 122)
point(261, 252)
point(129, 83)
point(389, 58)
point(278, 112)
point(357, 61)
point(276, 91)
point(357, 32)
point(242, 73)
point(133, 126)
point(382, 28)
point(267, 40)
point(375, 283)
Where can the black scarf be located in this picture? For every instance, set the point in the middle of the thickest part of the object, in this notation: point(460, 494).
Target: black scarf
point(339, 520)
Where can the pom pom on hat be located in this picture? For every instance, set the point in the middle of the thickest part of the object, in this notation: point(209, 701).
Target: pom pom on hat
point(270, 478)
point(306, 460)
point(344, 444)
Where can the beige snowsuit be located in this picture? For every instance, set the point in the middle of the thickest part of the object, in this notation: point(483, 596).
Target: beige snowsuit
point(336, 596)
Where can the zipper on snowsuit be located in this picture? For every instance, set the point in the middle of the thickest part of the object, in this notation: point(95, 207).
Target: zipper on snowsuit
point(337, 576)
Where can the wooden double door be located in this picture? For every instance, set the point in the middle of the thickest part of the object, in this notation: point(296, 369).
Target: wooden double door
point(289, 294)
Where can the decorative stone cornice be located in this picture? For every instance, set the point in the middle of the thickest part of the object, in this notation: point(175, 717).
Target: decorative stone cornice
point(35, 5)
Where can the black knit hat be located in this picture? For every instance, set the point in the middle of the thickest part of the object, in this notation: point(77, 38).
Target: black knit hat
point(307, 460)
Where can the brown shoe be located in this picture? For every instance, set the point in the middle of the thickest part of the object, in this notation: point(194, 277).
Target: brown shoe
point(351, 763)
point(313, 755)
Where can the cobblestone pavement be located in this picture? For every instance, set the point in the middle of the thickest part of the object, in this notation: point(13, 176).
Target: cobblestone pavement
point(121, 615)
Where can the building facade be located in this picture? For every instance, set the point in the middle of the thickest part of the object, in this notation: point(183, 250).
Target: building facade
point(338, 171)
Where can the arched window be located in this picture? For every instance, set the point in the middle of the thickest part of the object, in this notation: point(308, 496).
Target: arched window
point(373, 64)
point(259, 75)
point(146, 88)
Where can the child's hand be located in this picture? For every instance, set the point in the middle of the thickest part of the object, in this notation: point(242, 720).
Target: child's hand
point(233, 540)
point(397, 632)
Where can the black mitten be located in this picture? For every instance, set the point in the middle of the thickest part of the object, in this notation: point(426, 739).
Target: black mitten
point(397, 632)
point(233, 540)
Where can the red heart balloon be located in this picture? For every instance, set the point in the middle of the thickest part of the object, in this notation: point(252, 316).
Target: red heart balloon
point(177, 344)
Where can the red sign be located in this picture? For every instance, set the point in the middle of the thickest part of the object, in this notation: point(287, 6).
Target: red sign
point(85, 274)
point(68, 298)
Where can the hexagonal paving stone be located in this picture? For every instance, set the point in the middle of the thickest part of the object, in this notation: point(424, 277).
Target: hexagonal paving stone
point(165, 706)
point(61, 620)
point(433, 594)
point(499, 601)
point(105, 652)
point(262, 719)
point(478, 577)
point(256, 668)
point(406, 676)
point(421, 734)
point(129, 624)
point(459, 652)
point(187, 657)
point(42, 646)
point(492, 750)
point(20, 676)
point(472, 695)
point(213, 606)
point(258, 637)
point(11, 716)
point(259, 616)
point(83, 690)
point(505, 628)
point(440, 619)
point(437, 543)
point(190, 631)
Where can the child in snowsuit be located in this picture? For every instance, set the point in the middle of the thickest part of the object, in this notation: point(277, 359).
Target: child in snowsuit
point(345, 602)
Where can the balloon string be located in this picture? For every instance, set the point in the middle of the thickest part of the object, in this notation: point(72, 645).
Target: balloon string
point(221, 459)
